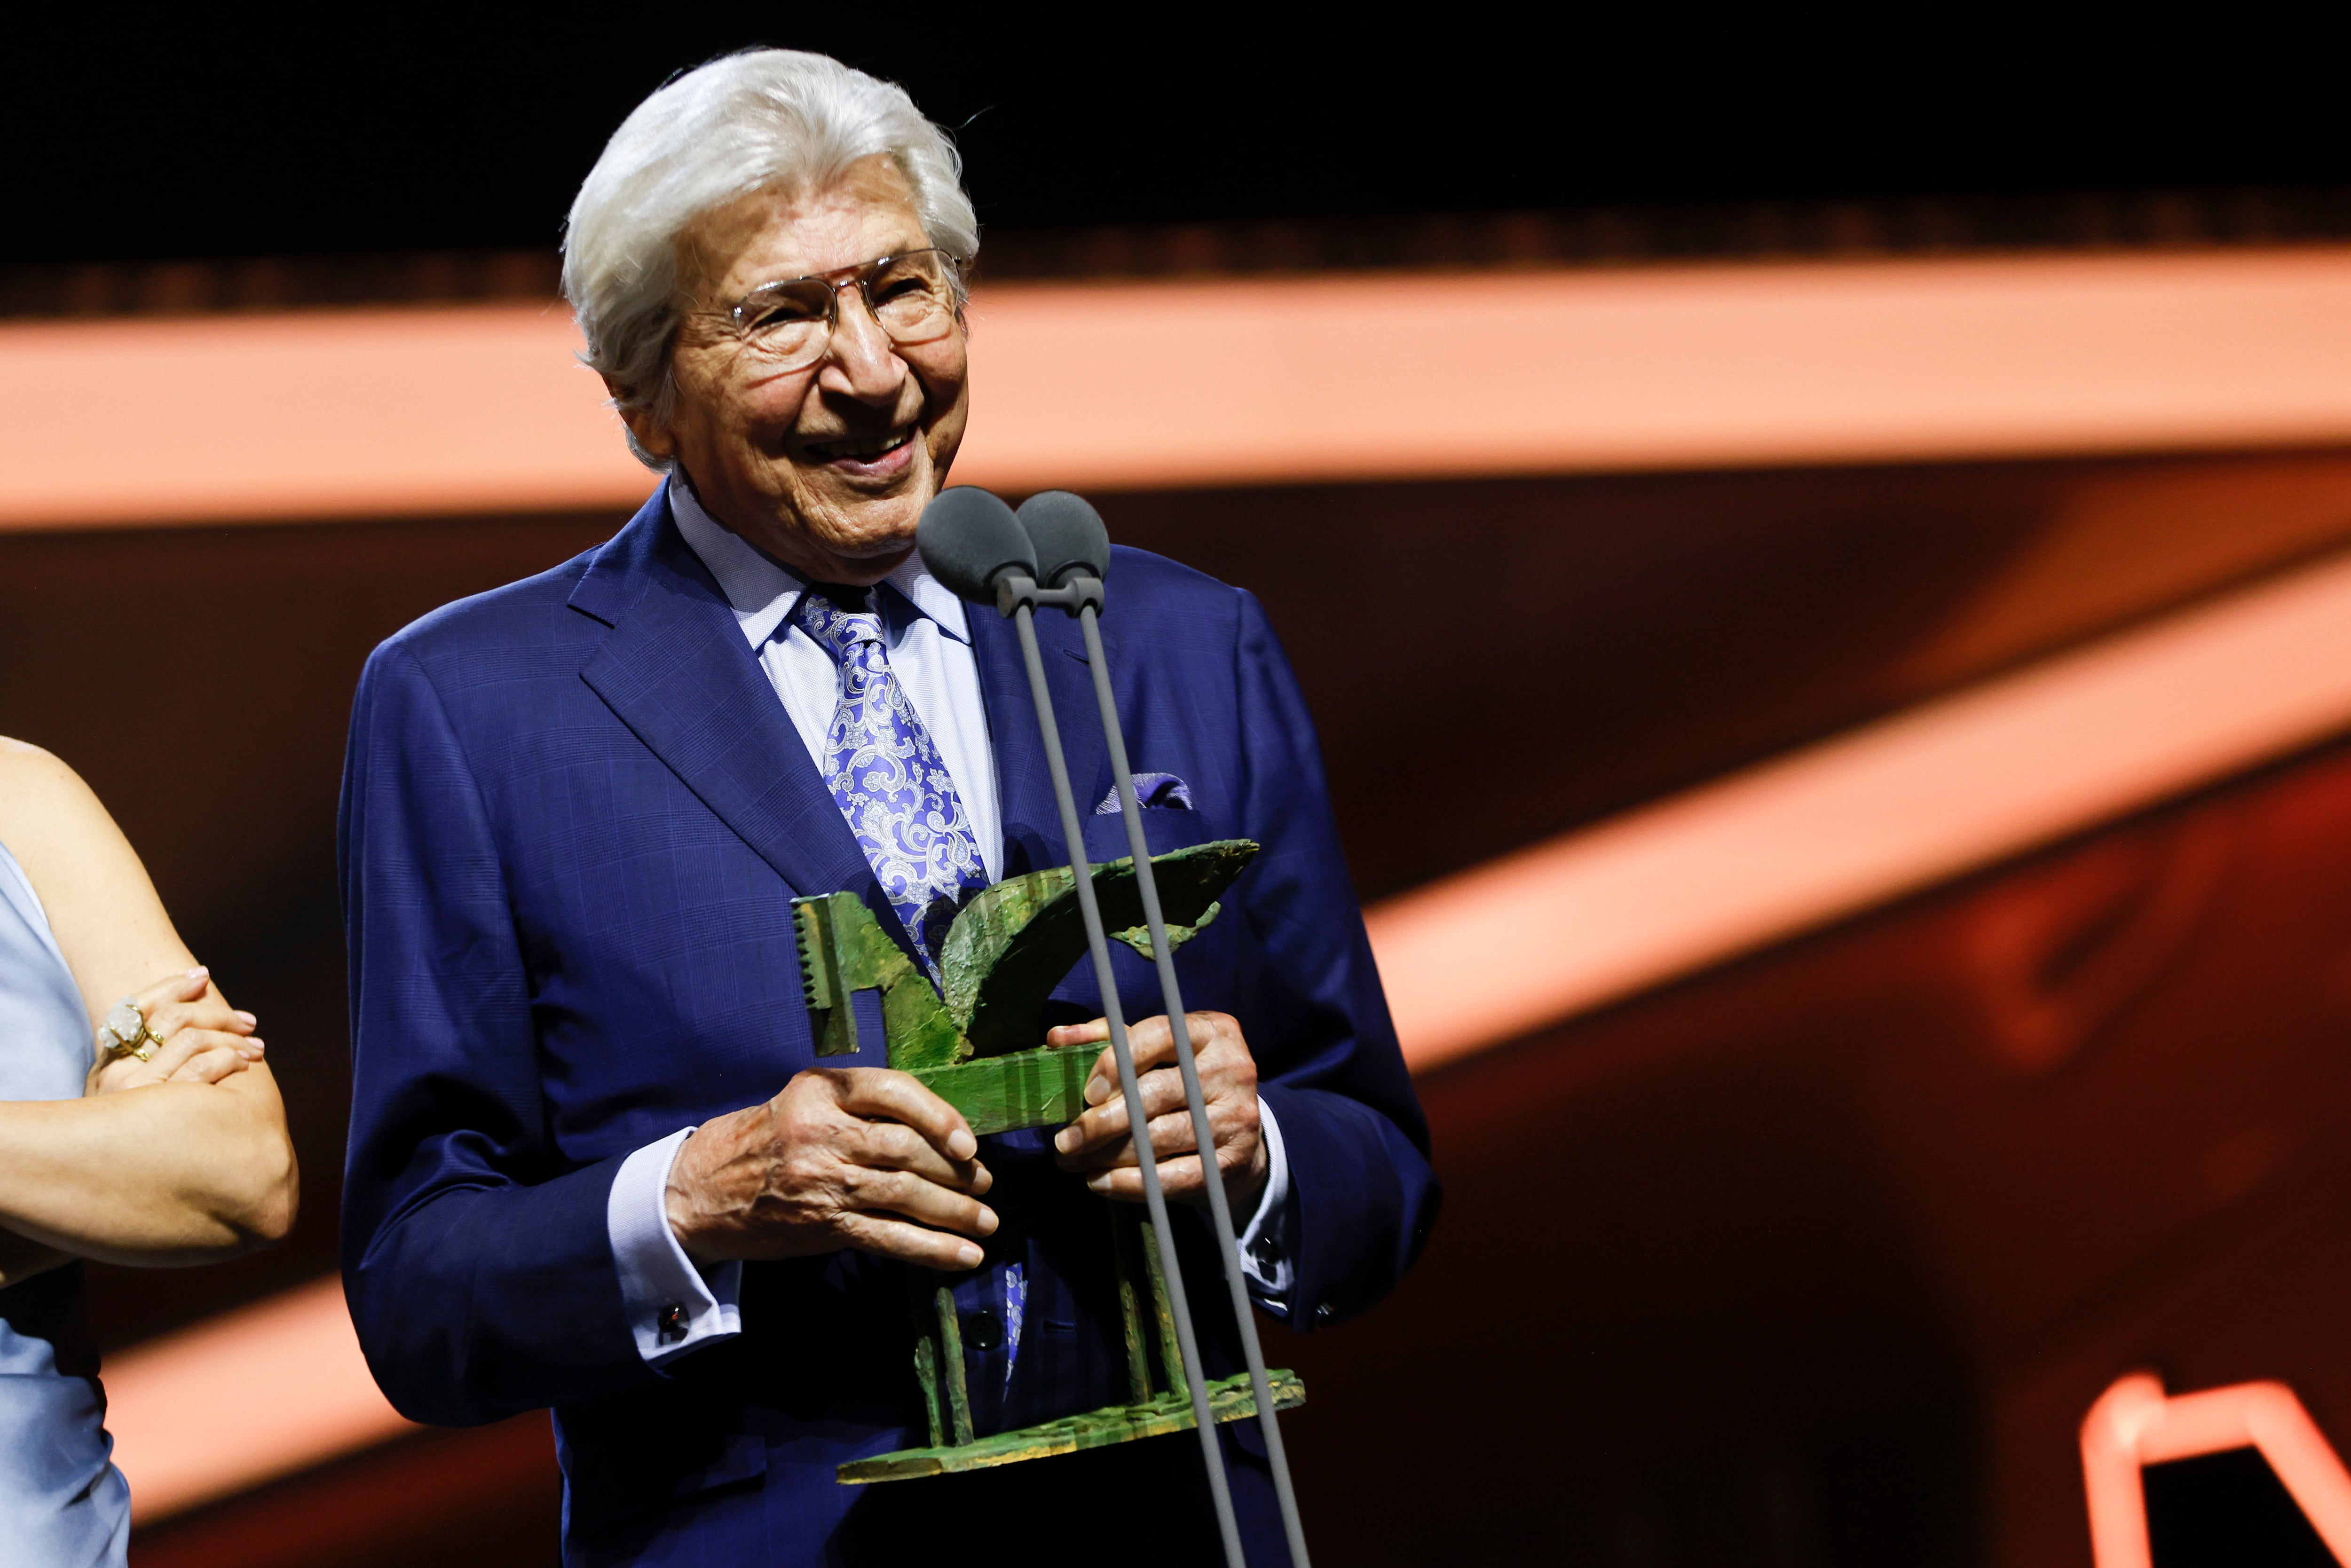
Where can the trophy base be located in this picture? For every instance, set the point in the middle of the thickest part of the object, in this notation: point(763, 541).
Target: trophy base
point(1230, 1400)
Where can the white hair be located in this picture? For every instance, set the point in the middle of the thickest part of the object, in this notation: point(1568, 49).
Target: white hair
point(744, 123)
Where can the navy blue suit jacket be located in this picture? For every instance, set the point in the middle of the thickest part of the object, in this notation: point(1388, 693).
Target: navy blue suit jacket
point(574, 816)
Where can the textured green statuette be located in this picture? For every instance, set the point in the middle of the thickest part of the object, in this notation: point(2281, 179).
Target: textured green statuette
point(970, 1040)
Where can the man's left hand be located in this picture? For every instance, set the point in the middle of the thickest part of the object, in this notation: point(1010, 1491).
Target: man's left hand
point(1098, 1145)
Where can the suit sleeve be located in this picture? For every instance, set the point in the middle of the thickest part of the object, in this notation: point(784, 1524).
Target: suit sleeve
point(479, 1269)
point(1362, 1192)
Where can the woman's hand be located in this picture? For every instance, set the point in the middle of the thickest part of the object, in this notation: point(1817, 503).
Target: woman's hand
point(205, 1040)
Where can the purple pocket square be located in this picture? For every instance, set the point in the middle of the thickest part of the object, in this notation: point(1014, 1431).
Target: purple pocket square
point(1162, 790)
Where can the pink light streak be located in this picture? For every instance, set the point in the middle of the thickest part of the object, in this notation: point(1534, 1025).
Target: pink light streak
point(388, 412)
point(1886, 811)
point(242, 1398)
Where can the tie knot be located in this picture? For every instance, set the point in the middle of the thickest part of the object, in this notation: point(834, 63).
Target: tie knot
point(839, 618)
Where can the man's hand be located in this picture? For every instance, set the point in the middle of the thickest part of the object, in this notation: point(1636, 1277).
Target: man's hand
point(1097, 1142)
point(856, 1156)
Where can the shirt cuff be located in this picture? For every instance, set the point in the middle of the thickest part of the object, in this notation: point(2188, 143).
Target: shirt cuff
point(673, 1305)
point(1265, 1242)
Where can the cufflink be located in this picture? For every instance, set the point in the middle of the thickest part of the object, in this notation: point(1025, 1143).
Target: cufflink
point(671, 1324)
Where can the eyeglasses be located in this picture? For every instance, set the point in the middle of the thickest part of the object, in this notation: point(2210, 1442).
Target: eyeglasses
point(789, 324)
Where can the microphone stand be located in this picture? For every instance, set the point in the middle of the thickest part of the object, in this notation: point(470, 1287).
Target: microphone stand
point(1086, 590)
point(1015, 596)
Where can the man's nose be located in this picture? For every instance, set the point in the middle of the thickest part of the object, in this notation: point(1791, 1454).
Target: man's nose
point(862, 363)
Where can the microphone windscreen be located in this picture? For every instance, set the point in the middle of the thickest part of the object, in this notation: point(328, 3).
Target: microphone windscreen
point(1067, 534)
point(968, 536)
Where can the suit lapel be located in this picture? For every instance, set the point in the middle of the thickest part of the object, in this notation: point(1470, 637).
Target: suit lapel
point(677, 672)
point(1033, 821)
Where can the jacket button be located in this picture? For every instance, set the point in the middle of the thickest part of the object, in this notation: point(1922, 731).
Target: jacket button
point(1323, 1314)
point(983, 1331)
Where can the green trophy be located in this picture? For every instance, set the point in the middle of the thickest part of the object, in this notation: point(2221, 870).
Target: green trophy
point(968, 1040)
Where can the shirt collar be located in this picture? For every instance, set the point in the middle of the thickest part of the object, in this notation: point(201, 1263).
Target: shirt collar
point(763, 594)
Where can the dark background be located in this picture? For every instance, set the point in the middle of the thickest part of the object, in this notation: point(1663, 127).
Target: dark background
point(1812, 1300)
point(192, 137)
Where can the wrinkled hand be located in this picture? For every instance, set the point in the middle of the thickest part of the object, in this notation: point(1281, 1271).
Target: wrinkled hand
point(857, 1157)
point(1097, 1143)
point(205, 1040)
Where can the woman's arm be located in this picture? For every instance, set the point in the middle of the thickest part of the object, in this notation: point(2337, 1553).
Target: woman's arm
point(161, 1176)
point(167, 1172)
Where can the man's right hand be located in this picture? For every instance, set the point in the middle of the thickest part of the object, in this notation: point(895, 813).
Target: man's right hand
point(857, 1157)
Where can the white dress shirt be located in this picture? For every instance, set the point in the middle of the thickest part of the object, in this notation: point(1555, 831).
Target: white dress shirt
point(675, 1305)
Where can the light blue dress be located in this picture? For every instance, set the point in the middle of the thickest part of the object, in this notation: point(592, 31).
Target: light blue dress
point(62, 1503)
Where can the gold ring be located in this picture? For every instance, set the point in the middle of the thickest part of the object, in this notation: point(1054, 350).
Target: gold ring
point(125, 1033)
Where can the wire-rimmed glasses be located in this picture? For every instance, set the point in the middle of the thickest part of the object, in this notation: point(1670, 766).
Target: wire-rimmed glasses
point(789, 324)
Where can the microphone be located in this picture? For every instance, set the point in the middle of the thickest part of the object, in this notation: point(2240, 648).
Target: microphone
point(970, 540)
point(975, 544)
point(1073, 555)
point(1068, 536)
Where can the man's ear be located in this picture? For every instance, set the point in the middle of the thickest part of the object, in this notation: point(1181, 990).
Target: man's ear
point(652, 437)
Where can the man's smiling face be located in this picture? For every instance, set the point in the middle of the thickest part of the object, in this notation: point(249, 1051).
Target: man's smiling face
point(827, 467)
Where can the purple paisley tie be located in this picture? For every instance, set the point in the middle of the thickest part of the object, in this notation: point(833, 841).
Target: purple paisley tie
point(885, 771)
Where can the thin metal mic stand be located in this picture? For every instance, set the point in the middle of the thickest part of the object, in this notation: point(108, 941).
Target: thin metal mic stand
point(1087, 592)
point(1015, 595)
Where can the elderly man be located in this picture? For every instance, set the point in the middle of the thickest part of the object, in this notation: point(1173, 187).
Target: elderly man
point(594, 1162)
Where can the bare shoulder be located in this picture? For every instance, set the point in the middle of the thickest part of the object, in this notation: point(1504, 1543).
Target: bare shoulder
point(107, 920)
point(45, 807)
point(26, 766)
